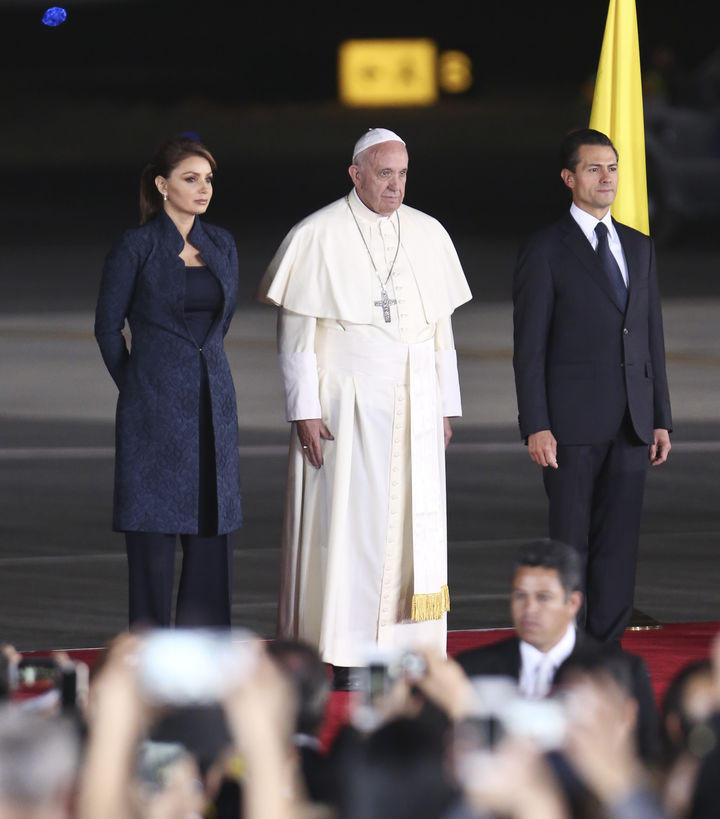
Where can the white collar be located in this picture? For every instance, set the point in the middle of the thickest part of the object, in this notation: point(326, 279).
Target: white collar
point(556, 655)
point(588, 222)
point(362, 211)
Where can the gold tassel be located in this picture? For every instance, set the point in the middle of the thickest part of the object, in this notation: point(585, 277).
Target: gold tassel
point(430, 606)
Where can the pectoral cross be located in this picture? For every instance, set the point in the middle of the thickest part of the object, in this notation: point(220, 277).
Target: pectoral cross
point(385, 303)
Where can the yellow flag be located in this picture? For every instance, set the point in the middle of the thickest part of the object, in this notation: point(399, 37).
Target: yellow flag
point(617, 111)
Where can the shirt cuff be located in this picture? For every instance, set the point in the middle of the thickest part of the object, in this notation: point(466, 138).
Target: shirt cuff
point(300, 381)
point(446, 366)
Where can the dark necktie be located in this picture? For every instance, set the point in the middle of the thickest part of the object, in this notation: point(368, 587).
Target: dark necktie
point(610, 265)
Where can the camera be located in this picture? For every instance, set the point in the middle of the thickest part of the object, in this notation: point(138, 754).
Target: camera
point(385, 666)
point(500, 711)
point(193, 666)
point(36, 677)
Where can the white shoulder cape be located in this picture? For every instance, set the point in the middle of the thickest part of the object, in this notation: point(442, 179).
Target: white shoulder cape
point(321, 268)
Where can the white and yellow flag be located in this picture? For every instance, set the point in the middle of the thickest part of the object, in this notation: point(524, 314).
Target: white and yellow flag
point(617, 111)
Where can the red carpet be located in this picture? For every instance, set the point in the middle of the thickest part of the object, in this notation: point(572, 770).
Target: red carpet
point(665, 650)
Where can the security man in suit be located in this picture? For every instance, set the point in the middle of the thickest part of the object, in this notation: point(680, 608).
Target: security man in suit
point(590, 376)
point(544, 601)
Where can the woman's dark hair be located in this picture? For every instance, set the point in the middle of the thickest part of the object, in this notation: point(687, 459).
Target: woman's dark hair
point(167, 157)
point(398, 772)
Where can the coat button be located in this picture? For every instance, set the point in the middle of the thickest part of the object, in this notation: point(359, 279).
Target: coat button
point(625, 331)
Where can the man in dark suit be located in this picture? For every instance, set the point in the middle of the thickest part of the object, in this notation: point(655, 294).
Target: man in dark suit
point(544, 602)
point(589, 365)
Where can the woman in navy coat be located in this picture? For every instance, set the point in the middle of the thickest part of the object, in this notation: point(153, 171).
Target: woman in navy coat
point(176, 441)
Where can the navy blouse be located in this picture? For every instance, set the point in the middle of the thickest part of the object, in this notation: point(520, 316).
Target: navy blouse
point(203, 301)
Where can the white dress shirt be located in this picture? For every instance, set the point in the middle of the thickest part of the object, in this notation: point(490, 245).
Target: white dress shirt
point(537, 669)
point(588, 222)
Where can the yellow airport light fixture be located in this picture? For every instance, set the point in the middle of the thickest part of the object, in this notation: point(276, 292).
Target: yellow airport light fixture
point(388, 72)
point(455, 72)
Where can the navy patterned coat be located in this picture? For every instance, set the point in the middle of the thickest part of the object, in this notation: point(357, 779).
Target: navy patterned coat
point(156, 432)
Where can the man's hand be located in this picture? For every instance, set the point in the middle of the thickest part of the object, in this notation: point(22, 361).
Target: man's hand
point(542, 448)
point(660, 447)
point(448, 431)
point(447, 685)
point(310, 432)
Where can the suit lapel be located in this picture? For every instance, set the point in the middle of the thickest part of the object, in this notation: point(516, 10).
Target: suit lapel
point(516, 658)
point(172, 270)
point(576, 241)
point(209, 252)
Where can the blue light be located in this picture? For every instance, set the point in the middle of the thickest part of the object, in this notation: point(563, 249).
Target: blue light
point(54, 16)
point(191, 135)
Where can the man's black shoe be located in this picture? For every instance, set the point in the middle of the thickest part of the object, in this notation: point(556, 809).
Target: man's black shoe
point(348, 678)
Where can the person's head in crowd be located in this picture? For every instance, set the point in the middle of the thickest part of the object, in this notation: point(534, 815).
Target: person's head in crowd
point(597, 661)
point(303, 666)
point(397, 772)
point(38, 765)
point(546, 596)
point(613, 668)
point(687, 706)
point(200, 729)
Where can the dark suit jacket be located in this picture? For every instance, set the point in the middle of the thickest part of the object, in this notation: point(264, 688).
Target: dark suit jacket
point(579, 360)
point(503, 659)
point(156, 433)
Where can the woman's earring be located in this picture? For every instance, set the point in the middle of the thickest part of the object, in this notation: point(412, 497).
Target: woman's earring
point(165, 197)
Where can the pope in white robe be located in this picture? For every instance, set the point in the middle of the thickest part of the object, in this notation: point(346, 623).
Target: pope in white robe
point(366, 287)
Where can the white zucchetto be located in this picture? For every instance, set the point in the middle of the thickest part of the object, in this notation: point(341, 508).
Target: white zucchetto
point(374, 137)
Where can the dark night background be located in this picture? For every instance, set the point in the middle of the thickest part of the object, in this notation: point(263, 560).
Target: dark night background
point(85, 104)
point(274, 52)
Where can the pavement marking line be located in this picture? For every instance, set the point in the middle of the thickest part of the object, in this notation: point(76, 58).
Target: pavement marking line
point(72, 558)
point(239, 553)
point(701, 359)
point(277, 450)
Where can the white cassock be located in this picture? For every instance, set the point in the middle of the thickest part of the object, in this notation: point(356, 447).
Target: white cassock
point(364, 556)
